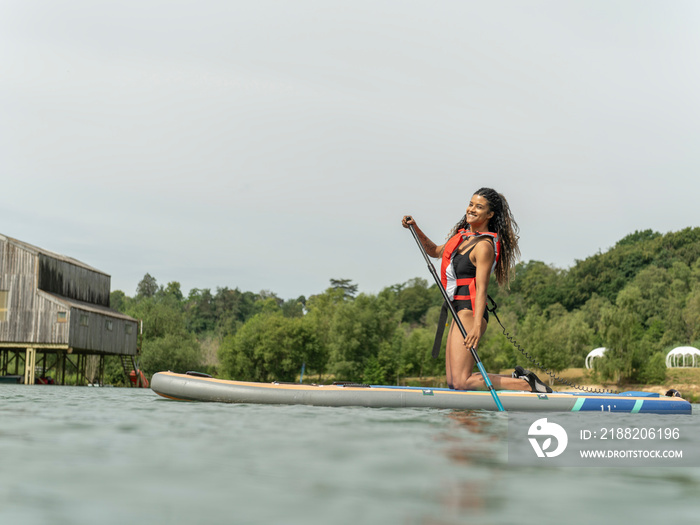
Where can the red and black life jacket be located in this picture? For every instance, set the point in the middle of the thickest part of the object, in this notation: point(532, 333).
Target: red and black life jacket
point(466, 287)
point(447, 272)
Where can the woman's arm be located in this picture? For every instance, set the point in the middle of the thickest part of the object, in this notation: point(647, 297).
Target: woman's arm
point(430, 247)
point(483, 257)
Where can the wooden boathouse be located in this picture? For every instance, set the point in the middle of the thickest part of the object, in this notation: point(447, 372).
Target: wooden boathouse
point(55, 307)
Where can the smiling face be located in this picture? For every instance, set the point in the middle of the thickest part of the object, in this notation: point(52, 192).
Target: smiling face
point(478, 213)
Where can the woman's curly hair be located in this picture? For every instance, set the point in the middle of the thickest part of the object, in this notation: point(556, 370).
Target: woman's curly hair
point(505, 226)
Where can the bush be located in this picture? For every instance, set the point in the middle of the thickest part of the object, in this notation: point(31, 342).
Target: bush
point(654, 370)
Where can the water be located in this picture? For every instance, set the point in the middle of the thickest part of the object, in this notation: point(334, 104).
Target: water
point(112, 456)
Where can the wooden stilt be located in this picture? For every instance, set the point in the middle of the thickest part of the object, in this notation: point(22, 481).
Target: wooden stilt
point(29, 366)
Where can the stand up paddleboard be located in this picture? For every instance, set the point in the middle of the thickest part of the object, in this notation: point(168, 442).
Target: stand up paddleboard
point(199, 387)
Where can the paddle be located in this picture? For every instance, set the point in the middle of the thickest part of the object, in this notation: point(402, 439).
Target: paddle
point(487, 381)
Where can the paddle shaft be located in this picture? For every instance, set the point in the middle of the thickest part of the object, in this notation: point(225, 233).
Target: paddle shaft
point(479, 365)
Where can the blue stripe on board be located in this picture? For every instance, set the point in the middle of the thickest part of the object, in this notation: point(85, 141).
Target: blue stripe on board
point(666, 406)
point(617, 404)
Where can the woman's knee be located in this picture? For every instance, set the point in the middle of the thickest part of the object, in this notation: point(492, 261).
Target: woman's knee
point(460, 385)
point(471, 382)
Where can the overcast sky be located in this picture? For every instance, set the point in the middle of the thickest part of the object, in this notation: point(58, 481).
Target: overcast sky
point(277, 144)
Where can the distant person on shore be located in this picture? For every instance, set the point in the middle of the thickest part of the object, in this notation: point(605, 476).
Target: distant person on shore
point(485, 240)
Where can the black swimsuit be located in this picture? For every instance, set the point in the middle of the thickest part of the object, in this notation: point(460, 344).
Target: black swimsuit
point(465, 269)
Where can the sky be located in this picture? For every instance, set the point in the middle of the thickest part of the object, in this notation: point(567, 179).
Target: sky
point(275, 145)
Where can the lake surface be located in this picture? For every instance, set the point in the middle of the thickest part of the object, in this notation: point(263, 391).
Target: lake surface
point(72, 455)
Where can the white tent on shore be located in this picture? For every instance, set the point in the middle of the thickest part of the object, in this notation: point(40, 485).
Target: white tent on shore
point(598, 352)
point(683, 356)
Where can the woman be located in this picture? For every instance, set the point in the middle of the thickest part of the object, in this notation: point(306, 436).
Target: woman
point(484, 240)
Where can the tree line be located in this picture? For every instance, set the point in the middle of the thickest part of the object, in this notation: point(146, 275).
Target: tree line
point(639, 299)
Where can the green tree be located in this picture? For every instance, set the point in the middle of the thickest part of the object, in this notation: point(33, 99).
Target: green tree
point(691, 315)
point(166, 345)
point(321, 312)
point(173, 291)
point(176, 352)
point(358, 329)
point(623, 332)
point(591, 314)
point(232, 308)
point(270, 347)
point(118, 300)
point(346, 285)
point(374, 373)
point(540, 284)
point(654, 369)
point(416, 353)
point(294, 307)
point(414, 299)
point(545, 336)
point(200, 311)
point(147, 286)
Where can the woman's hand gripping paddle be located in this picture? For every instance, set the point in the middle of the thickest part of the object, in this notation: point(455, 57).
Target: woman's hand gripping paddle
point(479, 365)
